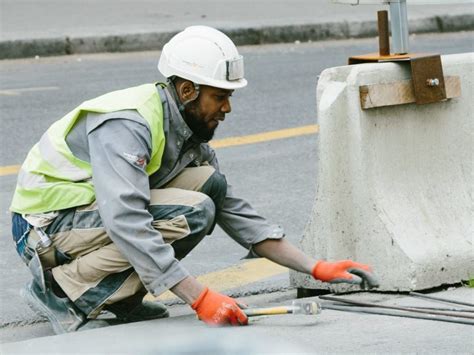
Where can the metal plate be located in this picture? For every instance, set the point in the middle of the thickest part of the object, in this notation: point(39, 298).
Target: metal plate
point(428, 79)
point(426, 72)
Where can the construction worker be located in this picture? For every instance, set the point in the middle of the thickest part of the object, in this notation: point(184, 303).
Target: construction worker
point(124, 186)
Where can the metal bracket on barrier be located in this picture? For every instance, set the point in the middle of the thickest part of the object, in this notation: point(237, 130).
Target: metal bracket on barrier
point(427, 84)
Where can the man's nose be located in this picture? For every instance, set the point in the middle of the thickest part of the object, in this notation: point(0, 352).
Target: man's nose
point(226, 108)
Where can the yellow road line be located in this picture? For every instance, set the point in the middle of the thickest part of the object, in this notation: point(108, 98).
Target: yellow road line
point(9, 170)
point(265, 136)
point(226, 142)
point(16, 92)
point(234, 276)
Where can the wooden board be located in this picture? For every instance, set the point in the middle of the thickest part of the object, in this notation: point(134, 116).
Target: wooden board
point(400, 92)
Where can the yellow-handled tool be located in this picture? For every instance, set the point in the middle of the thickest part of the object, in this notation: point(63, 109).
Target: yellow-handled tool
point(297, 307)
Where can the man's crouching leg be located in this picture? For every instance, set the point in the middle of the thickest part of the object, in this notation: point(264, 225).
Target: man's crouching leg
point(205, 179)
point(85, 274)
point(184, 210)
point(183, 217)
point(104, 280)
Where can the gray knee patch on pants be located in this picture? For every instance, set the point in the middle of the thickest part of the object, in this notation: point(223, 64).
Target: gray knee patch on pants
point(216, 188)
point(201, 222)
point(208, 214)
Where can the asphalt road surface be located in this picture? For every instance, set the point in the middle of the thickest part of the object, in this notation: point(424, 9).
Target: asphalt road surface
point(277, 176)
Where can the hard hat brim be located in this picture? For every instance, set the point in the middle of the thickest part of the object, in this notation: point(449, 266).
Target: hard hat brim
point(227, 85)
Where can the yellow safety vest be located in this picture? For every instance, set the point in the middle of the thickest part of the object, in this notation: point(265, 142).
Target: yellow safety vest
point(52, 178)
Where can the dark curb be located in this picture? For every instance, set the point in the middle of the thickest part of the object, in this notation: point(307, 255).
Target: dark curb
point(241, 36)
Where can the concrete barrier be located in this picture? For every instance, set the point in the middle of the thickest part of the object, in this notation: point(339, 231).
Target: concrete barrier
point(394, 184)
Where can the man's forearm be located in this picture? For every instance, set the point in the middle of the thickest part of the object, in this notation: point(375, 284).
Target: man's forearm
point(188, 289)
point(284, 253)
point(277, 250)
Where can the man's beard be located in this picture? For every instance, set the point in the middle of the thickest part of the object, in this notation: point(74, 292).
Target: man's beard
point(194, 120)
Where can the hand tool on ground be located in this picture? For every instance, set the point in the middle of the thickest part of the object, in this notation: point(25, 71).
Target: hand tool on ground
point(366, 307)
point(297, 307)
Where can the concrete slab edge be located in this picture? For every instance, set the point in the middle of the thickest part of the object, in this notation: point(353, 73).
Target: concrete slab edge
point(241, 36)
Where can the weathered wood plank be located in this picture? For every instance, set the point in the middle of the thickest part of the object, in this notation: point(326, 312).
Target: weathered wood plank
point(400, 92)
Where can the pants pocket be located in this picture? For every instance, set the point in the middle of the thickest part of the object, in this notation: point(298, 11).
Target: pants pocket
point(20, 231)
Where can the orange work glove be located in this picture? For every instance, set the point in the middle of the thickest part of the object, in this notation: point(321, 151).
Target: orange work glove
point(344, 271)
point(216, 309)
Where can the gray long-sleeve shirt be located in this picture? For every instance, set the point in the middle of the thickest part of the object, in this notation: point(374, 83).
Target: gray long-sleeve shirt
point(116, 144)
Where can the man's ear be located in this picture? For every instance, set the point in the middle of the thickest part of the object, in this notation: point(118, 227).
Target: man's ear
point(187, 91)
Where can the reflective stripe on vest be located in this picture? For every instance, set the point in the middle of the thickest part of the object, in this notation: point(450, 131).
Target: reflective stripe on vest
point(52, 178)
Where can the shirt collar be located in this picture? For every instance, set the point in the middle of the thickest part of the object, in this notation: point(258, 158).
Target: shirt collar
point(176, 119)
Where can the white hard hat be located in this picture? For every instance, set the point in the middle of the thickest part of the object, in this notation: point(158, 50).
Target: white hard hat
point(204, 56)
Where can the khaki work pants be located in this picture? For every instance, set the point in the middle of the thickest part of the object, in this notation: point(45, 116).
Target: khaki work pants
point(97, 274)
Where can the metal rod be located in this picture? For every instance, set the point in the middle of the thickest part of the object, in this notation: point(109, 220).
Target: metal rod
point(367, 304)
point(440, 299)
point(399, 26)
point(431, 308)
point(384, 41)
point(445, 309)
point(396, 314)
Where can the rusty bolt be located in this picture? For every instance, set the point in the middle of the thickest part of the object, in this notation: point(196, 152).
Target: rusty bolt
point(432, 82)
